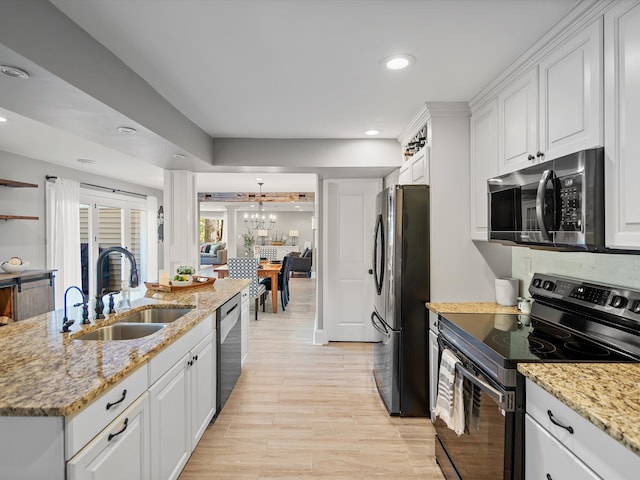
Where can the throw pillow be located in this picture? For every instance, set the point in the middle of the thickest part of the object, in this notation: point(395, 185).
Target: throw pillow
point(208, 248)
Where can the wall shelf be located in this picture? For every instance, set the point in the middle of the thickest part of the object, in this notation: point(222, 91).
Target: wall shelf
point(14, 184)
point(18, 217)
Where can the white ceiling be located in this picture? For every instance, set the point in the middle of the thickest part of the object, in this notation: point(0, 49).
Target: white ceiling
point(294, 68)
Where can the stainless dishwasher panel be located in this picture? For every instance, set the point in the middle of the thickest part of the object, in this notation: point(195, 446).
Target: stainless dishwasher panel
point(228, 340)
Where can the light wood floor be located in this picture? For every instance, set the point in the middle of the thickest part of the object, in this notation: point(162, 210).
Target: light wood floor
point(307, 411)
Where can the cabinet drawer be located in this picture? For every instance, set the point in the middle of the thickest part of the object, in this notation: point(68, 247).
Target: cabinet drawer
point(606, 456)
point(164, 360)
point(121, 451)
point(547, 458)
point(85, 425)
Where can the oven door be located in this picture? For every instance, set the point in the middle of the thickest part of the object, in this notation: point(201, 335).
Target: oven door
point(485, 450)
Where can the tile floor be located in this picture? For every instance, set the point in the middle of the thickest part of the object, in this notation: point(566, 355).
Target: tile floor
point(304, 411)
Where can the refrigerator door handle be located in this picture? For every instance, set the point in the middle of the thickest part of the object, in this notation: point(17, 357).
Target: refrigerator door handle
point(378, 324)
point(378, 275)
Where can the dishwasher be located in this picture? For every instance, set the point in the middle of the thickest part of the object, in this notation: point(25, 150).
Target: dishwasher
point(228, 341)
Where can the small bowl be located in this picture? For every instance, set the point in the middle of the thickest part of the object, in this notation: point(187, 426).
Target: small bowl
point(7, 267)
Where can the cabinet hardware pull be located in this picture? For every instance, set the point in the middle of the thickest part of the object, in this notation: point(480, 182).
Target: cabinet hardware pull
point(539, 154)
point(190, 362)
point(195, 357)
point(113, 435)
point(556, 422)
point(124, 394)
point(531, 158)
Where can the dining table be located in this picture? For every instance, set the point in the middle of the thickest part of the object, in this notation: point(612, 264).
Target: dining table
point(265, 270)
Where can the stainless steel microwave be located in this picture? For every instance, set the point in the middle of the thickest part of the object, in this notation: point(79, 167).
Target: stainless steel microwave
point(556, 205)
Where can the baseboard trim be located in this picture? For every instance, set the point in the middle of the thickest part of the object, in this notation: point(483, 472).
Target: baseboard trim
point(320, 337)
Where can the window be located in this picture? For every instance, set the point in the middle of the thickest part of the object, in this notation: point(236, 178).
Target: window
point(107, 220)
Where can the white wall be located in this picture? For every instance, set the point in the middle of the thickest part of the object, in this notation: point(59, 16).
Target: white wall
point(286, 221)
point(461, 270)
point(26, 238)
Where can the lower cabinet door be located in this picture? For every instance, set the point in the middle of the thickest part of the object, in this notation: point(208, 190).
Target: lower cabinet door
point(170, 416)
point(546, 458)
point(120, 451)
point(203, 387)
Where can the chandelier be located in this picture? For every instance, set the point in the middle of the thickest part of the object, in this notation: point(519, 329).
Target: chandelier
point(259, 221)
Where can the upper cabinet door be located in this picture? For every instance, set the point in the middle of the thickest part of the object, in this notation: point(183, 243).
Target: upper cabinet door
point(483, 164)
point(420, 166)
point(622, 125)
point(571, 92)
point(518, 122)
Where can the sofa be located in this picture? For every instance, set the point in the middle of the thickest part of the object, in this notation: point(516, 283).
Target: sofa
point(213, 253)
point(301, 263)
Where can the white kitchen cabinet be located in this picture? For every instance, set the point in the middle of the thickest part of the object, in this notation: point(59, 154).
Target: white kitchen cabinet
point(622, 124)
point(203, 387)
point(434, 367)
point(415, 170)
point(518, 122)
point(181, 406)
point(556, 107)
point(483, 164)
point(547, 458)
point(561, 443)
point(571, 93)
point(170, 420)
point(121, 451)
point(244, 324)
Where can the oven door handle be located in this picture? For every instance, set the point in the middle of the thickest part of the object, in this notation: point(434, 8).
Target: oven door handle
point(504, 399)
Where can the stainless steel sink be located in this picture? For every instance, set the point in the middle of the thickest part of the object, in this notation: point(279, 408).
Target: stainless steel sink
point(122, 331)
point(154, 315)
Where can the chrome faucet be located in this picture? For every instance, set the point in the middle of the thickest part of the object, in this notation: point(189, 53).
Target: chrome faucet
point(66, 322)
point(133, 277)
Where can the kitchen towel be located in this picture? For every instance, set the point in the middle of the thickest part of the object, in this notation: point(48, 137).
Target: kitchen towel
point(450, 402)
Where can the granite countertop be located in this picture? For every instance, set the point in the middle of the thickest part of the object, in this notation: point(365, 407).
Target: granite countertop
point(48, 373)
point(470, 307)
point(606, 394)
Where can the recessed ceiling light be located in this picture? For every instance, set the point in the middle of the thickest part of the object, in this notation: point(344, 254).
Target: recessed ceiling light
point(398, 62)
point(13, 72)
point(127, 130)
point(86, 161)
point(179, 156)
point(372, 132)
point(2, 119)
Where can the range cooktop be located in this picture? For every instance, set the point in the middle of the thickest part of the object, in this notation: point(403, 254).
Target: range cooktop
point(524, 338)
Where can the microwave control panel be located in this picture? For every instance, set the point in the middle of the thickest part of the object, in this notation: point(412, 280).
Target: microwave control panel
point(571, 203)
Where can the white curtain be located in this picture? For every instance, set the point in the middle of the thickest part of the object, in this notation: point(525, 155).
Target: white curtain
point(63, 235)
point(152, 238)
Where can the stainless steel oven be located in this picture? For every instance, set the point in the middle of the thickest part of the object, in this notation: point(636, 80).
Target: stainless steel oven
point(484, 451)
point(571, 321)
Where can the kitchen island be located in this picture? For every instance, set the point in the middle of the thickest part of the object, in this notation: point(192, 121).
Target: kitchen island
point(54, 389)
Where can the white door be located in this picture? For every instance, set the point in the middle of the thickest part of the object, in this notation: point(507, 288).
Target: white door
point(349, 217)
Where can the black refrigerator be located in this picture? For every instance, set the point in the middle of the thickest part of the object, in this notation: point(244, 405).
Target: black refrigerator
point(400, 270)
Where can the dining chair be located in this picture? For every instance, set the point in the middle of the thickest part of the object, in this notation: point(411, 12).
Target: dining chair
point(283, 281)
point(248, 268)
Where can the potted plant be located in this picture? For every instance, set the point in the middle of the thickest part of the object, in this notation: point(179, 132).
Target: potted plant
point(249, 241)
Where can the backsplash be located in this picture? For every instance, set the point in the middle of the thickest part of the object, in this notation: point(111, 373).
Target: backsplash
point(619, 269)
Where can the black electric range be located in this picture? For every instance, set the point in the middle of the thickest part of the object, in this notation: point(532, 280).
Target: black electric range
point(571, 321)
